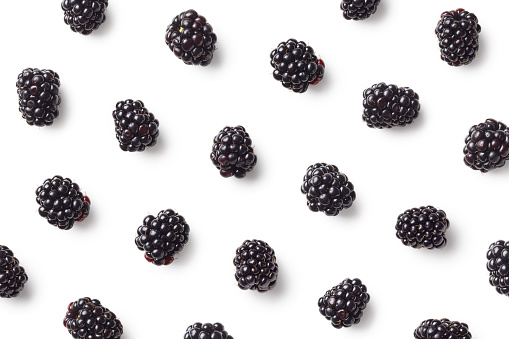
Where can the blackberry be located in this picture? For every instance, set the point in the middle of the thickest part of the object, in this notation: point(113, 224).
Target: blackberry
point(486, 146)
point(296, 66)
point(255, 266)
point(191, 38)
point(232, 152)
point(38, 94)
point(61, 202)
point(12, 276)
point(423, 227)
point(358, 9)
point(87, 318)
point(206, 331)
point(136, 128)
point(162, 237)
point(343, 304)
point(327, 190)
point(498, 266)
point(458, 37)
point(390, 106)
point(84, 16)
point(442, 329)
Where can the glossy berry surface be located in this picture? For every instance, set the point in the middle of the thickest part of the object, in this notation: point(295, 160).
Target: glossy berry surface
point(343, 304)
point(135, 127)
point(233, 153)
point(327, 190)
point(38, 95)
point(162, 237)
point(498, 266)
point(255, 266)
point(191, 38)
point(12, 276)
point(84, 16)
point(387, 106)
point(359, 9)
point(486, 146)
point(61, 202)
point(86, 318)
point(442, 329)
point(206, 331)
point(458, 37)
point(423, 227)
point(296, 66)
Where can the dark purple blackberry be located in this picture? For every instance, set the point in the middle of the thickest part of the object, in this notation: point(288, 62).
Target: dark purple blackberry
point(327, 190)
point(255, 266)
point(38, 94)
point(12, 276)
point(458, 37)
point(442, 329)
point(84, 16)
point(358, 9)
point(486, 146)
point(343, 304)
point(423, 227)
point(191, 38)
point(206, 331)
point(498, 266)
point(162, 237)
point(232, 152)
point(61, 202)
point(87, 318)
point(136, 128)
point(296, 66)
point(390, 106)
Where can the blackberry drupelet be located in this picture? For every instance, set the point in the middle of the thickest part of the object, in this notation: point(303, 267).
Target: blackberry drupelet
point(162, 237)
point(61, 202)
point(191, 38)
point(38, 94)
point(442, 329)
point(206, 331)
point(423, 227)
point(458, 37)
point(136, 128)
point(84, 16)
point(390, 106)
point(255, 266)
point(358, 9)
point(232, 152)
point(87, 318)
point(498, 266)
point(296, 66)
point(486, 146)
point(327, 190)
point(343, 304)
point(12, 276)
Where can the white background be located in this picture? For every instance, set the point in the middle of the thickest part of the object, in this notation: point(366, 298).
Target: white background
point(392, 170)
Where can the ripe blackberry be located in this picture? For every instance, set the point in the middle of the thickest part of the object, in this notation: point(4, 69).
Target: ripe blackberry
point(38, 94)
point(296, 66)
point(486, 146)
point(87, 318)
point(232, 152)
point(255, 266)
point(136, 128)
point(84, 16)
point(61, 202)
point(458, 37)
point(327, 190)
point(390, 106)
point(358, 9)
point(498, 266)
point(12, 276)
point(191, 38)
point(423, 227)
point(343, 304)
point(442, 329)
point(162, 237)
point(206, 331)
